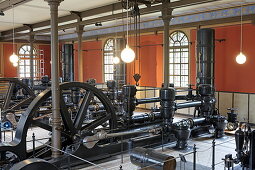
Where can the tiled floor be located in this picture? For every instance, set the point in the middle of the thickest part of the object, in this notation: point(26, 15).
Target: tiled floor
point(224, 146)
point(204, 155)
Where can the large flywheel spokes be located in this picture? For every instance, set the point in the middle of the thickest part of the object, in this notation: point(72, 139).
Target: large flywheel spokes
point(84, 110)
point(80, 109)
point(14, 94)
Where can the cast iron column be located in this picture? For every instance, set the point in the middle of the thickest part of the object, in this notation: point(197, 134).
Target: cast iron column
point(79, 30)
point(31, 41)
point(166, 17)
point(56, 117)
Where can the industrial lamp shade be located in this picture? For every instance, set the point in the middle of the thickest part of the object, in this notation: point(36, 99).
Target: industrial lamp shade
point(127, 55)
point(116, 60)
point(240, 58)
point(14, 58)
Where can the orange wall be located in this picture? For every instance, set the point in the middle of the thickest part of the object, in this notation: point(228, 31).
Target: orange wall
point(230, 76)
point(92, 61)
point(9, 69)
point(47, 58)
point(150, 62)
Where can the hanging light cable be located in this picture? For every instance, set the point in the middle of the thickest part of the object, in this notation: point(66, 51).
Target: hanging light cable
point(13, 58)
point(127, 55)
point(116, 59)
point(241, 58)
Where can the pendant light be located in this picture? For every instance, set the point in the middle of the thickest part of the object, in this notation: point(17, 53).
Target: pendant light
point(241, 58)
point(127, 54)
point(116, 60)
point(13, 58)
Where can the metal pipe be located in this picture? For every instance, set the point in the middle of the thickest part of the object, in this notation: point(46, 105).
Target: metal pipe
point(31, 40)
point(166, 16)
point(180, 97)
point(68, 63)
point(194, 156)
point(167, 103)
point(188, 104)
point(252, 150)
point(147, 117)
point(91, 141)
point(205, 56)
point(197, 121)
point(148, 158)
point(79, 30)
point(147, 100)
point(213, 154)
point(56, 117)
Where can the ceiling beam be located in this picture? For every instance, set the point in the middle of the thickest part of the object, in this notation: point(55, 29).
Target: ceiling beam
point(100, 10)
point(201, 24)
point(87, 13)
point(7, 4)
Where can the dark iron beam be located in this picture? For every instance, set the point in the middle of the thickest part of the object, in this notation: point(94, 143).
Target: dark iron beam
point(178, 26)
point(100, 10)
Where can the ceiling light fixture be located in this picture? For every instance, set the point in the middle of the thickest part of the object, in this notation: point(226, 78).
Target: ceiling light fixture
point(127, 54)
point(1, 13)
point(116, 60)
point(241, 58)
point(98, 24)
point(13, 58)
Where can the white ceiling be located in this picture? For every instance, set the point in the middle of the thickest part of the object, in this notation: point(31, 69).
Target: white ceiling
point(38, 10)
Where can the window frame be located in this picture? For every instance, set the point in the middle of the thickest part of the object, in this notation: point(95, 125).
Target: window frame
point(24, 62)
point(109, 54)
point(179, 46)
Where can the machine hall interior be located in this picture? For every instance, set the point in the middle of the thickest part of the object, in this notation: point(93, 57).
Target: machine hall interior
point(127, 84)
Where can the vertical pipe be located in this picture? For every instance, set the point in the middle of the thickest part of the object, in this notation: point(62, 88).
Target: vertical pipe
point(167, 103)
point(31, 39)
point(33, 137)
point(252, 151)
point(68, 63)
point(56, 117)
point(213, 154)
point(80, 56)
point(194, 157)
point(166, 16)
point(205, 56)
point(166, 53)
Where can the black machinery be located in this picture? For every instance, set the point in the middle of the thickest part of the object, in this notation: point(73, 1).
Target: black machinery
point(245, 148)
point(15, 96)
point(96, 126)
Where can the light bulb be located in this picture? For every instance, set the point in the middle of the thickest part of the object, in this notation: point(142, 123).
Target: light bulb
point(240, 58)
point(14, 58)
point(116, 60)
point(15, 64)
point(127, 55)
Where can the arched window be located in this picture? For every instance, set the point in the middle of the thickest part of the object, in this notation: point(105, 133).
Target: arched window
point(179, 59)
point(108, 60)
point(24, 62)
